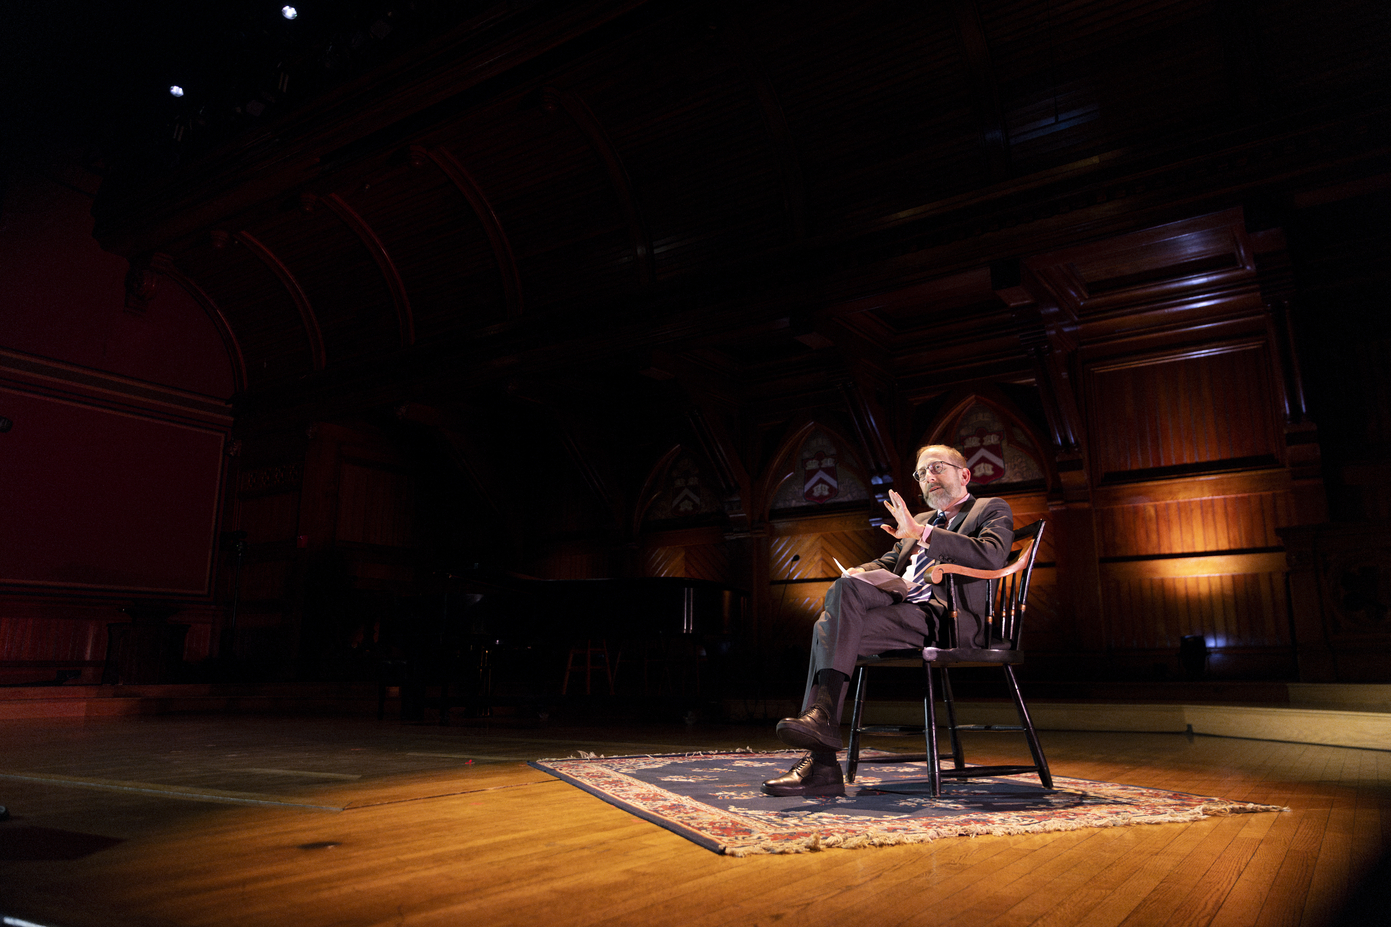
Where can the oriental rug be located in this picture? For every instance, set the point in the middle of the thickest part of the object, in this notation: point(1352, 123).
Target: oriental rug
point(714, 799)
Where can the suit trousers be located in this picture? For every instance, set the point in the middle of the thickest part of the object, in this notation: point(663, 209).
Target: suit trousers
point(857, 619)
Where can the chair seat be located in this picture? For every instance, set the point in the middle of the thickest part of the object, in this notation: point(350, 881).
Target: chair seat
point(941, 656)
point(971, 657)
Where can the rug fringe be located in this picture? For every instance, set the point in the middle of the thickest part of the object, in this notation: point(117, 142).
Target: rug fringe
point(586, 755)
point(875, 838)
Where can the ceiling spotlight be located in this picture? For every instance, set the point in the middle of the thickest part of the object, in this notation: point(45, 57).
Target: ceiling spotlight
point(175, 90)
point(289, 12)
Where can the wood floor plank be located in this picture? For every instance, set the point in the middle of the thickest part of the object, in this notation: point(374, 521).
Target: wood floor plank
point(1330, 884)
point(1215, 874)
point(432, 840)
point(1059, 878)
point(1195, 884)
point(1284, 904)
point(1096, 876)
point(1154, 868)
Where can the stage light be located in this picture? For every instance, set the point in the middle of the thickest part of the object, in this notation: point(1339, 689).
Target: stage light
point(289, 12)
point(175, 90)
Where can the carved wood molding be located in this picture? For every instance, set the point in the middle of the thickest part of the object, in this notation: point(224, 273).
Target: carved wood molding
point(584, 464)
point(141, 282)
point(815, 522)
point(1192, 260)
point(99, 389)
point(871, 423)
point(397, 287)
point(296, 292)
point(1199, 486)
point(166, 266)
point(556, 100)
point(651, 488)
point(715, 443)
point(502, 248)
point(1204, 565)
point(277, 477)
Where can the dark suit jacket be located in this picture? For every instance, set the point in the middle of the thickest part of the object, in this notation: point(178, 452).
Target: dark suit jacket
point(980, 537)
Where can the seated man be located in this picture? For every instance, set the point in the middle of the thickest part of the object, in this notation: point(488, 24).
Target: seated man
point(861, 619)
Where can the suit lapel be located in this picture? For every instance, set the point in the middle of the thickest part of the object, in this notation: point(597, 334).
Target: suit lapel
point(957, 524)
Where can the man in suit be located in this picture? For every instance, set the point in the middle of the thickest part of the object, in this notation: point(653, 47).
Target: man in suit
point(859, 618)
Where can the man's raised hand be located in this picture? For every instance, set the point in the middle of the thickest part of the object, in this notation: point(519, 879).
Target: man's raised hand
point(904, 526)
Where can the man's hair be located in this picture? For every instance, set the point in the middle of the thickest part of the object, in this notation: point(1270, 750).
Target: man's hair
point(942, 452)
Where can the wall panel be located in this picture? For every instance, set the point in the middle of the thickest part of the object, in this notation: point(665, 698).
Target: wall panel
point(106, 499)
point(1197, 557)
point(1180, 410)
point(1228, 610)
point(696, 554)
point(1191, 525)
point(375, 504)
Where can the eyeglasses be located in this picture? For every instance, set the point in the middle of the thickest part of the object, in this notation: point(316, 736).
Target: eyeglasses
point(935, 468)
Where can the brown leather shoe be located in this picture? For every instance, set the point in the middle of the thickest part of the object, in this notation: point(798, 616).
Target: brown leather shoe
point(808, 777)
point(811, 730)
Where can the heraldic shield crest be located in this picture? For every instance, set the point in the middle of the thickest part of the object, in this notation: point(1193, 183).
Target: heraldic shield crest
point(819, 477)
point(985, 454)
point(996, 451)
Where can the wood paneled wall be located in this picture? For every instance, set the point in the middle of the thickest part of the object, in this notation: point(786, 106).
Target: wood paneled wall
point(1195, 554)
point(1171, 410)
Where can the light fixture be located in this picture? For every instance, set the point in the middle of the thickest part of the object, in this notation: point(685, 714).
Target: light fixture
point(175, 90)
point(289, 12)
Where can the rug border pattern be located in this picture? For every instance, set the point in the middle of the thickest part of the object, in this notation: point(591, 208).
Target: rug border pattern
point(733, 833)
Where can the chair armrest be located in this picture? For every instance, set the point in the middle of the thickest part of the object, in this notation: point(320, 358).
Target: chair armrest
point(1018, 563)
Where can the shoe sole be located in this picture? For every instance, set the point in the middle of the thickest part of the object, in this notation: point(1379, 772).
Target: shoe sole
point(794, 790)
point(803, 739)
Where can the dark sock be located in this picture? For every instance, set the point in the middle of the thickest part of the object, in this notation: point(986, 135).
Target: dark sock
point(829, 685)
point(823, 757)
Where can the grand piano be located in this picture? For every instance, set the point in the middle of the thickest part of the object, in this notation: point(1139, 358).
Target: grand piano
point(476, 638)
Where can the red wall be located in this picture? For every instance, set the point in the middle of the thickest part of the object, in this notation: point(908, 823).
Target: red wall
point(110, 477)
point(63, 297)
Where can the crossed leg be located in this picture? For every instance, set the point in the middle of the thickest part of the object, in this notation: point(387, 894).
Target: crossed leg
point(856, 619)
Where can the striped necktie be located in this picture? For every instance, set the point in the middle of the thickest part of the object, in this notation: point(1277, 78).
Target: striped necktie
point(940, 520)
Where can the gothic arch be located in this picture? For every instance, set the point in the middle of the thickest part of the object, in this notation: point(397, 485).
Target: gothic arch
point(651, 487)
point(1019, 446)
point(782, 466)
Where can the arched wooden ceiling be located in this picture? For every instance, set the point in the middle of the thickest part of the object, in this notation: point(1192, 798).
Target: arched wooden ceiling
point(561, 183)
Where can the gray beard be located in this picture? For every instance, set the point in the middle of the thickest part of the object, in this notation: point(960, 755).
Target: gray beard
point(939, 499)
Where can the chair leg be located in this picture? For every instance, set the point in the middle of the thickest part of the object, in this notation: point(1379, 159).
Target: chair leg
point(1044, 776)
point(934, 769)
point(958, 758)
point(852, 759)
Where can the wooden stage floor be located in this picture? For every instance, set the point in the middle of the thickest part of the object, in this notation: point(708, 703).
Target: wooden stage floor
point(258, 820)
